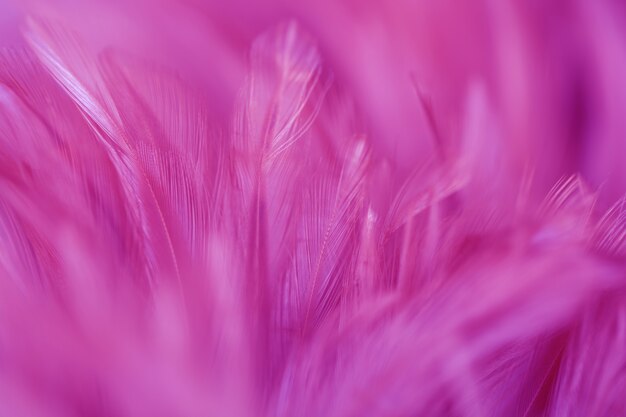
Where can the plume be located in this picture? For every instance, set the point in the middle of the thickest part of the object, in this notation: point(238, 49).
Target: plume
point(312, 209)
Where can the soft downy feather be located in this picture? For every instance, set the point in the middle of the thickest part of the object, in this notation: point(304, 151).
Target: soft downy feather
point(157, 261)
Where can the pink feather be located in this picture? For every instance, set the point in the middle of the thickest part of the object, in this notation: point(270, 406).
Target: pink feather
point(312, 209)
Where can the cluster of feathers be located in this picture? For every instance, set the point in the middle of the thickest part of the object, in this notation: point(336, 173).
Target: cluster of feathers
point(157, 259)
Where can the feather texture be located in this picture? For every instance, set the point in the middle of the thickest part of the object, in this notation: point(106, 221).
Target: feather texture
point(303, 247)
